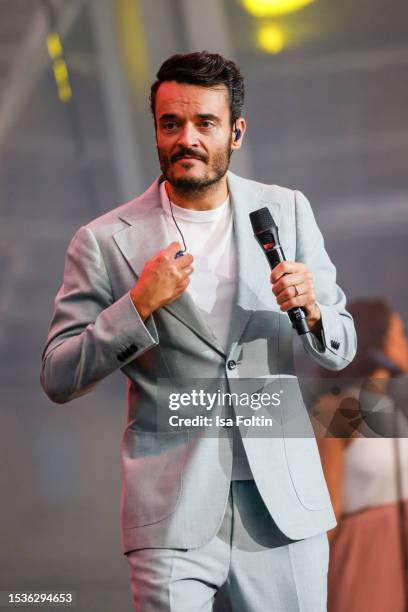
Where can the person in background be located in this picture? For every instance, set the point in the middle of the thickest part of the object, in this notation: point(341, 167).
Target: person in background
point(367, 477)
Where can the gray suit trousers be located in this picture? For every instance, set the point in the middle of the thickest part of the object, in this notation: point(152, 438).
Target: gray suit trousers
point(249, 566)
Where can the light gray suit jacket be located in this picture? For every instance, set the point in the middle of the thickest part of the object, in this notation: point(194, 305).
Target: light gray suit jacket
point(176, 482)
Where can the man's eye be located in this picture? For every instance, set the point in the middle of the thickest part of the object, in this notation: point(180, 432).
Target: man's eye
point(206, 124)
point(169, 126)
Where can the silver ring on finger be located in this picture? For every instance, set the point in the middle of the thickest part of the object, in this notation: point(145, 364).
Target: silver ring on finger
point(297, 290)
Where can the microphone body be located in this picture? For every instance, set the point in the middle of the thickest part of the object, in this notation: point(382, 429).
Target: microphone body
point(267, 235)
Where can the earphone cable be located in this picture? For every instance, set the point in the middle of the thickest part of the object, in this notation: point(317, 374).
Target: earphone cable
point(180, 232)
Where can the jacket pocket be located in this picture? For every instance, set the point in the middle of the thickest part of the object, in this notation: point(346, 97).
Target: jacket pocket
point(305, 468)
point(302, 453)
point(153, 463)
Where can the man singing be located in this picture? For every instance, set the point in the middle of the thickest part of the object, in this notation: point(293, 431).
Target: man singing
point(173, 286)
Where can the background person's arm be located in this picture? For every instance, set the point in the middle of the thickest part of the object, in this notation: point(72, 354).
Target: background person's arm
point(332, 456)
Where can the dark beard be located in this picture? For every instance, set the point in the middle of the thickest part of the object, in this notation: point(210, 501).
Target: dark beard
point(219, 168)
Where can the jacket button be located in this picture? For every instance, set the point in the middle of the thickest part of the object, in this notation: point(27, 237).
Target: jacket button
point(231, 365)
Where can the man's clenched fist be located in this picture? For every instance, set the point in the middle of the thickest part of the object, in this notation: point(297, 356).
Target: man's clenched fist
point(163, 279)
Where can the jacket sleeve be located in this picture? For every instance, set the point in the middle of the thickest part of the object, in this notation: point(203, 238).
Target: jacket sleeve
point(90, 334)
point(338, 332)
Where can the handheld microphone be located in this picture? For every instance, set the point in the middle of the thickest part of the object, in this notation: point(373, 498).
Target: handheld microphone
point(266, 233)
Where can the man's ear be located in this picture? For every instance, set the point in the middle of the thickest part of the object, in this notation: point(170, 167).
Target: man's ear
point(238, 131)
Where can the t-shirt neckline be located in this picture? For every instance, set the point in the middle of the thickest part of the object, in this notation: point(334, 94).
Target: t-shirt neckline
point(193, 216)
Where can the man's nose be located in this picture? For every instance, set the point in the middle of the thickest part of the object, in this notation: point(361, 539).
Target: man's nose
point(188, 136)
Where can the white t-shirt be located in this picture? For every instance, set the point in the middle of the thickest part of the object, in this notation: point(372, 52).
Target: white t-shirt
point(209, 238)
point(208, 235)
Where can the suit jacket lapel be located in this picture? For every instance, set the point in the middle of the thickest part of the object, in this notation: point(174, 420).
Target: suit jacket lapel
point(146, 234)
point(253, 270)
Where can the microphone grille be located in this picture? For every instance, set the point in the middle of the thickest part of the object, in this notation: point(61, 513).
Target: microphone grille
point(261, 220)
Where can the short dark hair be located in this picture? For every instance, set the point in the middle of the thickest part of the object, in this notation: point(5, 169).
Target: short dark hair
point(372, 320)
point(205, 69)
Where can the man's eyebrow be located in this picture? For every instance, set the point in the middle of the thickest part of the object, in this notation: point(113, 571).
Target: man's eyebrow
point(167, 116)
point(208, 116)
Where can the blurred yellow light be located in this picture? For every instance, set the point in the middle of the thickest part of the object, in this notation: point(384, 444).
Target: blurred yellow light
point(54, 45)
point(270, 8)
point(132, 38)
point(271, 38)
point(65, 93)
point(60, 71)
